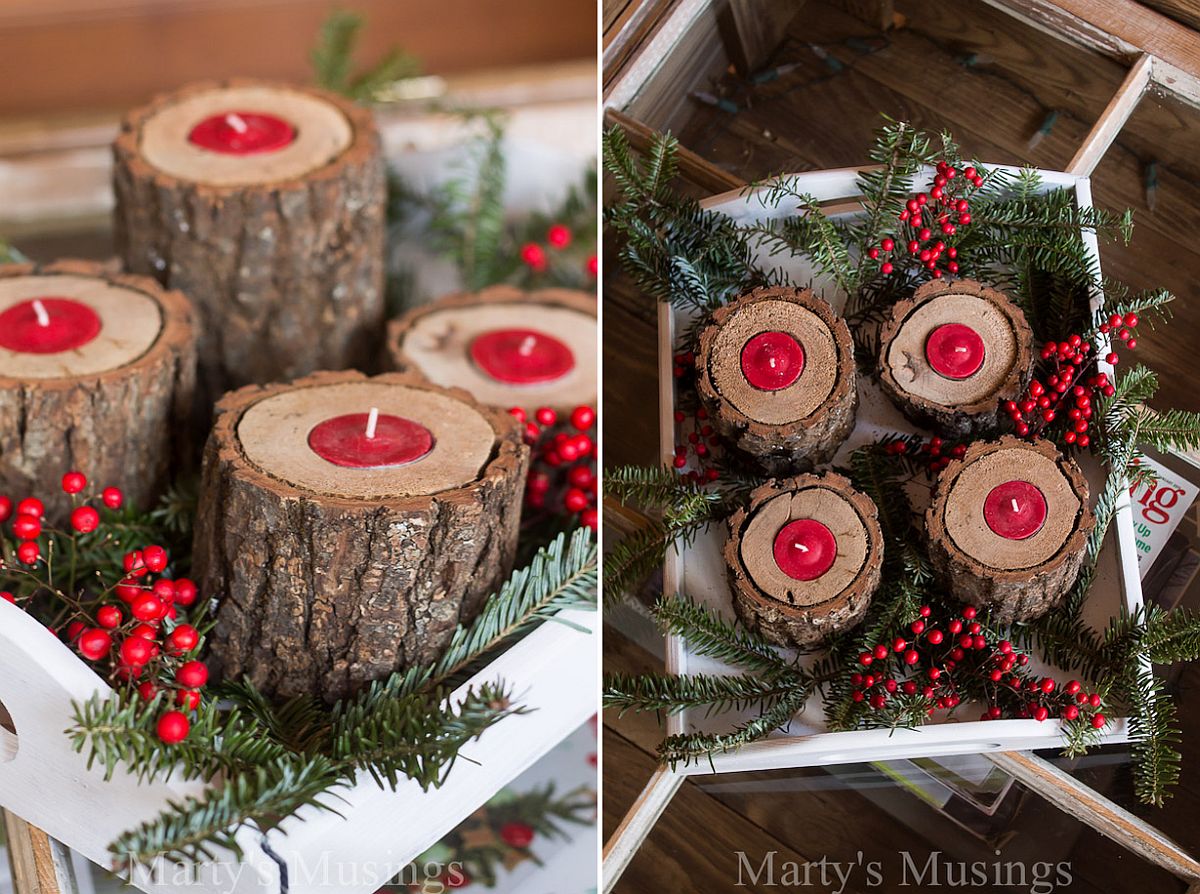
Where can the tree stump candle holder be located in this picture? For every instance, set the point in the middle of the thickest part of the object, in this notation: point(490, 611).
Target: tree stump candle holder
point(265, 204)
point(804, 558)
point(1008, 527)
point(97, 372)
point(951, 353)
point(348, 524)
point(775, 371)
point(508, 347)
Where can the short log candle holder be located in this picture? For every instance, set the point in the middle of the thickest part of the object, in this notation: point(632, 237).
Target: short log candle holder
point(506, 346)
point(97, 372)
point(950, 354)
point(348, 524)
point(265, 205)
point(776, 373)
point(1008, 527)
point(804, 558)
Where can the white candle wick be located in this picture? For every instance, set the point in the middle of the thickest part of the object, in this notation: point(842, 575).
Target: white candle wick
point(961, 349)
point(801, 547)
point(1016, 508)
point(372, 422)
point(237, 122)
point(772, 362)
point(527, 345)
point(43, 318)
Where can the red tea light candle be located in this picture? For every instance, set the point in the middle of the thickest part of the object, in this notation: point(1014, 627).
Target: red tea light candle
point(772, 361)
point(955, 351)
point(805, 549)
point(1015, 510)
point(370, 440)
point(48, 326)
point(522, 356)
point(242, 133)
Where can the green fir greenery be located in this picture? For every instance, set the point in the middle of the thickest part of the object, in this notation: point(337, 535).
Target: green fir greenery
point(1023, 237)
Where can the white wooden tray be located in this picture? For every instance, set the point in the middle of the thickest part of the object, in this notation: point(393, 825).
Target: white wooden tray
point(698, 570)
point(553, 672)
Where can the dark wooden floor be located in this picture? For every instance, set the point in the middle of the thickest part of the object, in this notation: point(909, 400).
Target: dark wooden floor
point(970, 69)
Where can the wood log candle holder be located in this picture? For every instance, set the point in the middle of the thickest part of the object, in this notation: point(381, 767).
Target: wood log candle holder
point(264, 204)
point(1008, 527)
point(804, 557)
point(950, 354)
point(97, 371)
point(348, 524)
point(506, 346)
point(776, 373)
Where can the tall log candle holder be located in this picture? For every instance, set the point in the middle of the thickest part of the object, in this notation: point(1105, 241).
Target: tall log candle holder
point(97, 371)
point(804, 558)
point(1008, 527)
point(264, 203)
point(348, 524)
point(775, 371)
point(507, 346)
point(951, 353)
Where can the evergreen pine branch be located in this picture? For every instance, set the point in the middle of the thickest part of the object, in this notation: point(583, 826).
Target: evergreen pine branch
point(1152, 726)
point(9, 254)
point(710, 635)
point(417, 735)
point(687, 747)
point(333, 56)
point(195, 829)
point(1170, 637)
point(659, 487)
point(672, 693)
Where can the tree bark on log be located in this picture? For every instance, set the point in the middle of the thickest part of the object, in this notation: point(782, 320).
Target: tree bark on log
point(434, 341)
point(287, 274)
point(955, 408)
point(794, 612)
point(797, 427)
point(1013, 580)
point(321, 594)
point(127, 426)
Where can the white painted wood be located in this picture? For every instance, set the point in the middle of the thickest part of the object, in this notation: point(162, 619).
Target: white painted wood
point(554, 673)
point(1097, 812)
point(1113, 118)
point(699, 570)
point(637, 824)
point(656, 51)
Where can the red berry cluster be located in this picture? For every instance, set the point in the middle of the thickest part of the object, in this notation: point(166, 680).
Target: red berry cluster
point(935, 452)
point(944, 664)
point(133, 629)
point(558, 237)
point(563, 472)
point(1062, 389)
point(928, 219)
point(696, 434)
point(517, 834)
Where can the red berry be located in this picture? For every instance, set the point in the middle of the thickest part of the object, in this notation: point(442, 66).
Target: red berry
point(935, 637)
point(882, 652)
point(546, 416)
point(146, 631)
point(1070, 712)
point(109, 616)
point(164, 589)
point(27, 527)
point(886, 267)
point(6, 508)
point(134, 564)
point(182, 639)
point(575, 500)
point(865, 659)
point(517, 413)
point(558, 236)
point(73, 482)
point(583, 418)
point(173, 727)
point(1072, 687)
point(155, 558)
point(94, 644)
point(147, 607)
point(1112, 359)
point(593, 265)
point(188, 699)
point(193, 675)
point(1098, 721)
point(28, 553)
point(911, 657)
point(31, 506)
point(533, 256)
point(518, 835)
point(1040, 713)
point(129, 590)
point(590, 519)
point(147, 691)
point(112, 497)
point(85, 519)
point(135, 651)
point(1095, 700)
point(900, 644)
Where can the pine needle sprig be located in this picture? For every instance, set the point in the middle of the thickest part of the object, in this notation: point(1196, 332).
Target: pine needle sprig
point(712, 636)
point(333, 60)
point(674, 693)
point(689, 747)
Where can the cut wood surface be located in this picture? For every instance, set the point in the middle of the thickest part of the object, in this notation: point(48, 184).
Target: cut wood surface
point(783, 609)
point(796, 427)
point(1014, 580)
point(434, 341)
point(124, 419)
point(319, 592)
point(286, 266)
